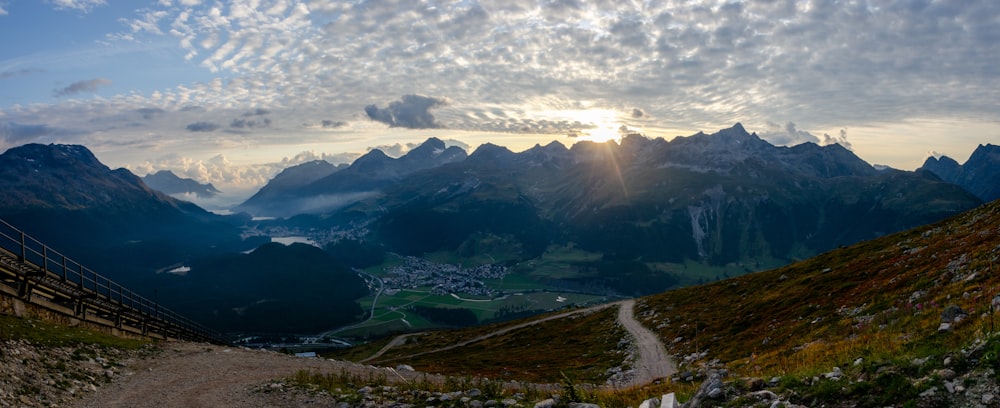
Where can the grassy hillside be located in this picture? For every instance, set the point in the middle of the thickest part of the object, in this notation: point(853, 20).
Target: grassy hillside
point(878, 299)
point(874, 310)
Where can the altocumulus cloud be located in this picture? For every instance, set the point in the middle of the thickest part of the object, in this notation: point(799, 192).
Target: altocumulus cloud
point(202, 127)
point(412, 111)
point(89, 85)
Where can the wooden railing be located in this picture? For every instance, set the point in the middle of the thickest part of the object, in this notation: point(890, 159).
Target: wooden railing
point(36, 271)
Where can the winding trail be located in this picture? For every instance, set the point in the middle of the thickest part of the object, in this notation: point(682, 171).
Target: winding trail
point(653, 361)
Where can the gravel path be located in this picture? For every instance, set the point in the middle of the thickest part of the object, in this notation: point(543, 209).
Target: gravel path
point(653, 361)
point(200, 375)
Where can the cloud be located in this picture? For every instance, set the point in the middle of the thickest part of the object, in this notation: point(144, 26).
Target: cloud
point(412, 111)
point(19, 72)
point(787, 135)
point(257, 112)
point(79, 5)
point(250, 123)
point(2, 11)
point(15, 133)
point(202, 127)
point(637, 113)
point(150, 113)
point(89, 85)
point(330, 124)
point(841, 139)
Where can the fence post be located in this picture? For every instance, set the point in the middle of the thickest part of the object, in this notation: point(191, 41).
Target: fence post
point(24, 252)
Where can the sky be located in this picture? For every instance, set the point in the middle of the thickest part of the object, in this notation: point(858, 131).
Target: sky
point(231, 92)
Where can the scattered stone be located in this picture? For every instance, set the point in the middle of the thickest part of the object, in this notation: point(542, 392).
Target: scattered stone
point(947, 374)
point(669, 401)
point(988, 398)
point(929, 392)
point(953, 314)
point(546, 403)
point(405, 367)
point(835, 374)
point(650, 403)
point(583, 405)
point(859, 361)
point(944, 328)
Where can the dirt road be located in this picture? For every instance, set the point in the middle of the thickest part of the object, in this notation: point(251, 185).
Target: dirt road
point(653, 361)
point(199, 375)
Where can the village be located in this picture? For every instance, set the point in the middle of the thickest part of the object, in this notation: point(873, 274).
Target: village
point(444, 279)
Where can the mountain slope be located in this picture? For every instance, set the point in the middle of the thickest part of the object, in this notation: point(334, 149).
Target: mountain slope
point(316, 188)
point(168, 182)
point(280, 193)
point(875, 310)
point(980, 175)
point(883, 298)
point(64, 195)
point(725, 198)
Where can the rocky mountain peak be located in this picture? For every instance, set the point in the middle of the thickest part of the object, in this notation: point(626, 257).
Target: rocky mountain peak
point(980, 175)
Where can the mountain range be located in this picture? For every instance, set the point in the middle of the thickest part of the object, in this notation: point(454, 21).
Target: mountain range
point(646, 205)
point(628, 218)
point(167, 182)
point(980, 174)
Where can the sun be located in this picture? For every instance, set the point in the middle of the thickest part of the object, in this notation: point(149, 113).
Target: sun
point(598, 125)
point(601, 133)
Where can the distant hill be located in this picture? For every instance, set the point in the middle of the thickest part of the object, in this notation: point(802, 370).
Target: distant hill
point(315, 187)
point(64, 195)
point(275, 198)
point(980, 175)
point(168, 182)
point(273, 289)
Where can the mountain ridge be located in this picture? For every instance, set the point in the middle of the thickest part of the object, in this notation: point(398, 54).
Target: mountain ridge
point(980, 174)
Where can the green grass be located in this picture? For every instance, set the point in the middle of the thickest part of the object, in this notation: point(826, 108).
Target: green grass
point(42, 333)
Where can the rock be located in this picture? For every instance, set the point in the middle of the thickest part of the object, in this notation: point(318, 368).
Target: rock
point(953, 314)
point(755, 384)
point(546, 403)
point(944, 328)
point(474, 393)
point(947, 374)
point(835, 374)
point(988, 398)
point(491, 403)
point(949, 386)
point(947, 361)
point(774, 381)
point(669, 401)
point(650, 403)
point(764, 395)
point(930, 392)
point(859, 361)
point(583, 405)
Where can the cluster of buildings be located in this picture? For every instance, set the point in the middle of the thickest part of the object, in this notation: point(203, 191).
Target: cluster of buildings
point(443, 279)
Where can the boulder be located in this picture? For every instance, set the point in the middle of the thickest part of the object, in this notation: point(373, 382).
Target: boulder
point(669, 401)
point(650, 403)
